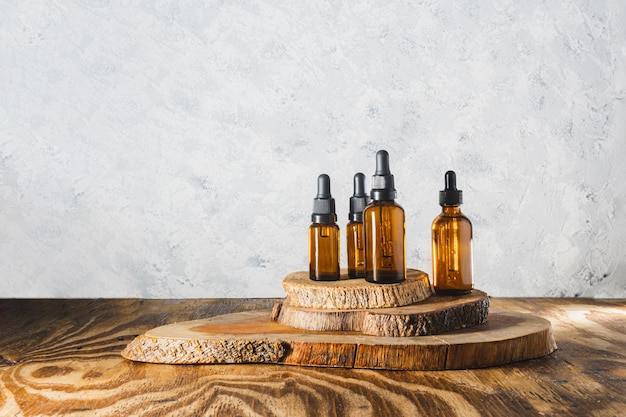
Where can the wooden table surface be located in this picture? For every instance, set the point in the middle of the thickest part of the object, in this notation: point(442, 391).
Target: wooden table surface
point(61, 357)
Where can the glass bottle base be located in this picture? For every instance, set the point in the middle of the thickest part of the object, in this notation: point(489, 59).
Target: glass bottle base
point(352, 273)
point(324, 277)
point(452, 292)
point(384, 278)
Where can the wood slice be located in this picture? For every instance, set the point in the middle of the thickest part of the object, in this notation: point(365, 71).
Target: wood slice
point(352, 294)
point(252, 337)
point(435, 315)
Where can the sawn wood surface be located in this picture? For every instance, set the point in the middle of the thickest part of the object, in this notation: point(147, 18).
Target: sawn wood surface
point(435, 315)
point(252, 337)
point(356, 293)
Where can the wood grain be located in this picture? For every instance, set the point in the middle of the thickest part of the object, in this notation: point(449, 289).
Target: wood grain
point(252, 337)
point(354, 294)
point(61, 357)
point(435, 315)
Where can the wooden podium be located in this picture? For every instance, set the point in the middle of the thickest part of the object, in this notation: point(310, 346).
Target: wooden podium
point(355, 324)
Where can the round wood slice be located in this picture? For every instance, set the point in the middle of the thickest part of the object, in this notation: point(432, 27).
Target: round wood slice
point(252, 337)
point(437, 314)
point(351, 294)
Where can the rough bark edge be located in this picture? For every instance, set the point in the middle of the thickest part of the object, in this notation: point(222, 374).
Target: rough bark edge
point(395, 324)
point(211, 351)
point(320, 320)
point(356, 294)
point(421, 324)
point(357, 352)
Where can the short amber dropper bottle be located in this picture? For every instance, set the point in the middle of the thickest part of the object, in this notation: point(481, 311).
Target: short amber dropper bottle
point(384, 223)
point(452, 243)
point(354, 229)
point(324, 235)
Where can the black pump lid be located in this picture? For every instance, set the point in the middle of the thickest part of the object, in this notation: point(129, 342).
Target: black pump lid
point(359, 200)
point(383, 187)
point(323, 203)
point(450, 196)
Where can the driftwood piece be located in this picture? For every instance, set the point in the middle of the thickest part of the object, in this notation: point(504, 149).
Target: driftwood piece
point(437, 314)
point(352, 294)
point(505, 337)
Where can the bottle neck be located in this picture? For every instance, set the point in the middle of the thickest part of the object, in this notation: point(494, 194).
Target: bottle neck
point(451, 210)
point(327, 218)
point(383, 202)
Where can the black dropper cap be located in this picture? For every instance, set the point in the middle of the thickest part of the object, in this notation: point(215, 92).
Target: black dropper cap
point(383, 187)
point(450, 196)
point(323, 203)
point(358, 201)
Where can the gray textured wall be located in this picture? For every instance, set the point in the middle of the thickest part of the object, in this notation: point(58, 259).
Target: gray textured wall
point(171, 149)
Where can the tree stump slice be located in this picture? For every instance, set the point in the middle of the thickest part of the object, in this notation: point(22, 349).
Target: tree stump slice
point(253, 337)
point(353, 294)
point(437, 314)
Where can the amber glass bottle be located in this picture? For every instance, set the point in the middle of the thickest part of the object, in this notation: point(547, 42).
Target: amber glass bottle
point(452, 243)
point(384, 225)
point(324, 235)
point(354, 229)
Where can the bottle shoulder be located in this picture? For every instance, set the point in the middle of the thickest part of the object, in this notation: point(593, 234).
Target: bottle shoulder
point(391, 204)
point(319, 225)
point(456, 218)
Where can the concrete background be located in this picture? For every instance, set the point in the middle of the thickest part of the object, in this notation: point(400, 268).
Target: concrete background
point(171, 149)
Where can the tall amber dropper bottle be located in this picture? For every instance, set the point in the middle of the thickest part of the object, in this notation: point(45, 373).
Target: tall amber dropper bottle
point(452, 243)
point(324, 235)
point(354, 229)
point(384, 225)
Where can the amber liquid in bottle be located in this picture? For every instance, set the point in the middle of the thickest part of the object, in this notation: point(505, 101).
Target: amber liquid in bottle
point(356, 250)
point(452, 252)
point(384, 242)
point(354, 229)
point(323, 235)
point(324, 252)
